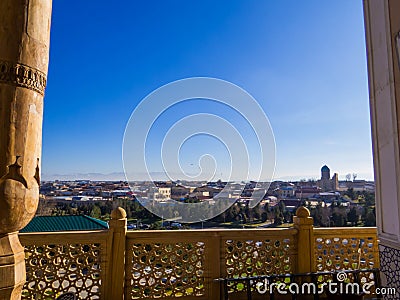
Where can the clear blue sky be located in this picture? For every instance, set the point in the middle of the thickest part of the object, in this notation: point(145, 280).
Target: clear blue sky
point(304, 62)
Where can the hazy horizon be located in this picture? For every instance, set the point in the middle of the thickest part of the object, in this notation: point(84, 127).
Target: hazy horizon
point(120, 176)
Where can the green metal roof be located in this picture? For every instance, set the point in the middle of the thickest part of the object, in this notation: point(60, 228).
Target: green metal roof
point(64, 223)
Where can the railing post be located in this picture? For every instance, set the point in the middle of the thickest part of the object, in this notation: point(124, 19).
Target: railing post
point(216, 265)
point(305, 240)
point(116, 255)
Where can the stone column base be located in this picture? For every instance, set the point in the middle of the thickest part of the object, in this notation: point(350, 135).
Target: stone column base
point(12, 267)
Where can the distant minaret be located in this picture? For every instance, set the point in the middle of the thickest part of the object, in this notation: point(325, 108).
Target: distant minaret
point(335, 182)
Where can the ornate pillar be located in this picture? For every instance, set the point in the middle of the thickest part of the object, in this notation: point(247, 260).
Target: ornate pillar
point(24, 53)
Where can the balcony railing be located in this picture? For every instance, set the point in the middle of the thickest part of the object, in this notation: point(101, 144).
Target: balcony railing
point(116, 264)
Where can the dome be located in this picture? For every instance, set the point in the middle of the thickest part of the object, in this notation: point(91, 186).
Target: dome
point(325, 168)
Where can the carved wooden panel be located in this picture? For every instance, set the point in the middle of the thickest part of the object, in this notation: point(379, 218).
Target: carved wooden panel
point(251, 257)
point(165, 270)
point(342, 251)
point(337, 253)
point(55, 269)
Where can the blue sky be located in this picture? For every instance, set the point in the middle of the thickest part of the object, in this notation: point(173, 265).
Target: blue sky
point(303, 61)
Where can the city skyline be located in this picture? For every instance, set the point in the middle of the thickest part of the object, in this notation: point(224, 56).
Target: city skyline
point(306, 70)
point(159, 176)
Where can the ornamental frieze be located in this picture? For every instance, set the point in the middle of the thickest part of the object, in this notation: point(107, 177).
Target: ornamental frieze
point(22, 76)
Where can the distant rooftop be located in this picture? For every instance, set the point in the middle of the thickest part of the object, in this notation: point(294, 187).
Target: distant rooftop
point(64, 223)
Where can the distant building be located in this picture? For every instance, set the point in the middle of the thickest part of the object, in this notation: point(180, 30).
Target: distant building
point(307, 191)
point(326, 183)
point(160, 193)
point(205, 190)
point(335, 182)
point(288, 191)
point(291, 204)
point(357, 185)
point(325, 173)
point(179, 192)
point(80, 198)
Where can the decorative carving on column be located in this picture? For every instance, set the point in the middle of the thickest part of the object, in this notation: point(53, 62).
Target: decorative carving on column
point(23, 76)
point(37, 173)
point(24, 54)
point(14, 173)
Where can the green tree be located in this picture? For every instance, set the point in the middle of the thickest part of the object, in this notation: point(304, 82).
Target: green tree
point(370, 219)
point(350, 193)
point(338, 219)
point(96, 212)
point(317, 214)
point(264, 217)
point(352, 216)
point(278, 215)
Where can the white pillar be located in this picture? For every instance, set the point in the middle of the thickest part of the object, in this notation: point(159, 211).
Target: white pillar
point(382, 24)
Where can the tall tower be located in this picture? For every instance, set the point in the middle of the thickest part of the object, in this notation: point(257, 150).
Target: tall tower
point(335, 182)
point(325, 173)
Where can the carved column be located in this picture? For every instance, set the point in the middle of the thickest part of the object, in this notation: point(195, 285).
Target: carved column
point(24, 53)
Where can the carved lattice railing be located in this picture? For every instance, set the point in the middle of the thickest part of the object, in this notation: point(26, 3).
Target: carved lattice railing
point(162, 264)
point(65, 262)
point(257, 252)
point(183, 264)
point(346, 248)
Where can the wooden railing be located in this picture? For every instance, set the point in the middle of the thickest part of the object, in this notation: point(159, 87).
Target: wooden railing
point(66, 261)
point(116, 264)
point(168, 264)
point(340, 248)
